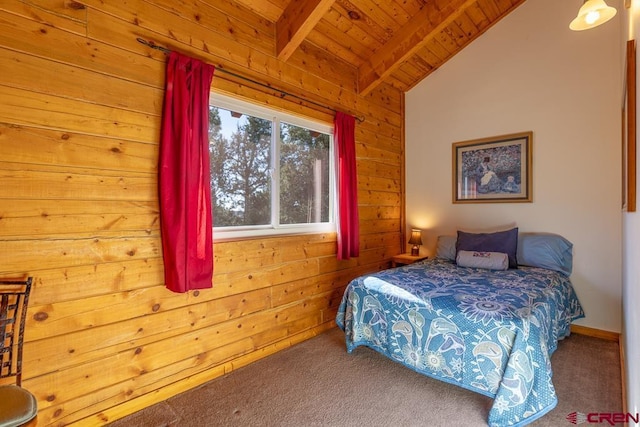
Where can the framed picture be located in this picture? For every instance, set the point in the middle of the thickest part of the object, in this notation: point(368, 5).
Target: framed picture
point(493, 170)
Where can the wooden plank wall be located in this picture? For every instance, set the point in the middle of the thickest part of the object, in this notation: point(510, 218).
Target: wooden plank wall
point(80, 106)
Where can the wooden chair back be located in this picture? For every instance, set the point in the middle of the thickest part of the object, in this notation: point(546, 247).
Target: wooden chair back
point(14, 299)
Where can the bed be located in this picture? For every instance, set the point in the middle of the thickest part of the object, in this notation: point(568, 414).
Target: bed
point(488, 330)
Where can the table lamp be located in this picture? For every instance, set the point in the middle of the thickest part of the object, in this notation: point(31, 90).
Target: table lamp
point(416, 241)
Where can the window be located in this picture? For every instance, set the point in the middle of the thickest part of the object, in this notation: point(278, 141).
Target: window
point(271, 173)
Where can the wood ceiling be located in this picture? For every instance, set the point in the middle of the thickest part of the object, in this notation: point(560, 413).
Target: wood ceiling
point(399, 42)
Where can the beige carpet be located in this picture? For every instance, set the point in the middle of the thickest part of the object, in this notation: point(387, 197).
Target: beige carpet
point(317, 383)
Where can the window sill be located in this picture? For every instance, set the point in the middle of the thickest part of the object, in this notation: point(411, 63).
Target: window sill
point(266, 233)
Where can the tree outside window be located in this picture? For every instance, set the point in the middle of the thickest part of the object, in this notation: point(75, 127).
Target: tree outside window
point(263, 179)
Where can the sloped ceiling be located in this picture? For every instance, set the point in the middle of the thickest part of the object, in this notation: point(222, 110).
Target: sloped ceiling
point(399, 42)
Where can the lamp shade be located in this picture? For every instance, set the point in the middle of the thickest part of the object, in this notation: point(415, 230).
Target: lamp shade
point(591, 14)
point(416, 237)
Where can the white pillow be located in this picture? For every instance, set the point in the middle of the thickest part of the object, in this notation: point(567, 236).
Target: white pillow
point(488, 260)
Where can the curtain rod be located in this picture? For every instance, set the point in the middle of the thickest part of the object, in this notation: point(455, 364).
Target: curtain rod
point(283, 93)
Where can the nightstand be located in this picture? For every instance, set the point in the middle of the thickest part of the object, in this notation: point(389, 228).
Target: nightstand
point(405, 259)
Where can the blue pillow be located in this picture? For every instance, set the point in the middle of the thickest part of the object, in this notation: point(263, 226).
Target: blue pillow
point(500, 241)
point(546, 250)
point(446, 247)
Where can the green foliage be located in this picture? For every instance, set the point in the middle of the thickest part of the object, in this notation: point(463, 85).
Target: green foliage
point(241, 169)
point(301, 152)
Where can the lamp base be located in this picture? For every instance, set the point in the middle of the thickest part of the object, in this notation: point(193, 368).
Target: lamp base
point(415, 250)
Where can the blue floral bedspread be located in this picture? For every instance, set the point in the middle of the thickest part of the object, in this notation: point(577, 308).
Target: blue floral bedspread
point(488, 331)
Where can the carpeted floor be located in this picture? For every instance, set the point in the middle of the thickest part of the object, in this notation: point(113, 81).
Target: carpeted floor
point(317, 383)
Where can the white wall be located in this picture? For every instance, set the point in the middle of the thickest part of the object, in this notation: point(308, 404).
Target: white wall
point(631, 257)
point(530, 72)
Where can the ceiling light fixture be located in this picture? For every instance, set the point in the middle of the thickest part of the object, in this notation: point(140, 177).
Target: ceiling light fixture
point(591, 14)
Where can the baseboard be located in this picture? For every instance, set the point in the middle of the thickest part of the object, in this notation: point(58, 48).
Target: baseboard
point(596, 333)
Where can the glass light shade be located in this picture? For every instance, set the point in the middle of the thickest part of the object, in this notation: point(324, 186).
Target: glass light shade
point(591, 14)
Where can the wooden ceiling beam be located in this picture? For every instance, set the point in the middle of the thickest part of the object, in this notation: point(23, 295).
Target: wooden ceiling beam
point(296, 22)
point(420, 30)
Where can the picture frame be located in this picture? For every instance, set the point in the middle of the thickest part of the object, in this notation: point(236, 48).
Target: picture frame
point(497, 169)
point(629, 171)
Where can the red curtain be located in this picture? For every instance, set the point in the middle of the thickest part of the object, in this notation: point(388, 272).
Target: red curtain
point(185, 193)
point(347, 180)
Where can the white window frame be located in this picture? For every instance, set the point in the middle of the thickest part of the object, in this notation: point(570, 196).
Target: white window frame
point(276, 117)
